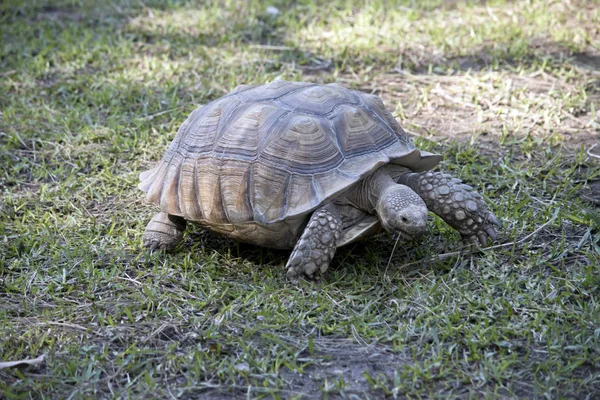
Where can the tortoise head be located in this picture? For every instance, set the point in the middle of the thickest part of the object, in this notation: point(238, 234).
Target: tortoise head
point(401, 211)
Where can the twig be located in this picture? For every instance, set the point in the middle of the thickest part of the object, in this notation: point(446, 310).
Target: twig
point(127, 278)
point(491, 14)
point(64, 324)
point(446, 96)
point(573, 118)
point(391, 255)
point(271, 47)
point(149, 117)
point(73, 326)
point(154, 333)
point(443, 256)
point(589, 152)
point(22, 363)
point(22, 142)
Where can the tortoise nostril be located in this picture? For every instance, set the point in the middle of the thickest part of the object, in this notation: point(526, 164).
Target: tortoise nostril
point(404, 220)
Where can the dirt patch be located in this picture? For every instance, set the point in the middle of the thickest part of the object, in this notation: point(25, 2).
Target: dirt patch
point(338, 368)
point(591, 192)
point(55, 13)
point(483, 58)
point(492, 106)
point(343, 359)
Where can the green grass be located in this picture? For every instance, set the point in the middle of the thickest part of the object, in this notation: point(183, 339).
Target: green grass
point(91, 93)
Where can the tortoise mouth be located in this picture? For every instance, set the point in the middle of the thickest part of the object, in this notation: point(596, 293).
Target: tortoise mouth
point(408, 236)
point(399, 232)
point(403, 236)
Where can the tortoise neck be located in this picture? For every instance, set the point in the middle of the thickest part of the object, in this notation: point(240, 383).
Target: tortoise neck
point(376, 185)
point(367, 193)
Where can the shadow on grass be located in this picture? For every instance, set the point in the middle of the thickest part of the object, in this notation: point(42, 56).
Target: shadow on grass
point(498, 57)
point(179, 31)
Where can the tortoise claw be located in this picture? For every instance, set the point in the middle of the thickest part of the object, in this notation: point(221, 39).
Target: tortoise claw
point(492, 218)
point(163, 232)
point(153, 245)
point(491, 233)
point(482, 239)
point(470, 240)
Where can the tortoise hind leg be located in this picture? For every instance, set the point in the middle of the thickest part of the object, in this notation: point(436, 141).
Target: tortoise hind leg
point(164, 232)
point(318, 243)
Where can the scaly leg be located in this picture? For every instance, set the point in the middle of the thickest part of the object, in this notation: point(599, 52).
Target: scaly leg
point(456, 203)
point(163, 232)
point(318, 243)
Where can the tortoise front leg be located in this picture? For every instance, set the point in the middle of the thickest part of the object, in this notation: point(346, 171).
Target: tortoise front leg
point(456, 203)
point(316, 247)
point(164, 232)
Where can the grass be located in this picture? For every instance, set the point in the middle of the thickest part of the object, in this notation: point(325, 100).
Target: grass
point(91, 93)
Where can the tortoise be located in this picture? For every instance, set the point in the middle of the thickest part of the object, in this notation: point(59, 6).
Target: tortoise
point(303, 166)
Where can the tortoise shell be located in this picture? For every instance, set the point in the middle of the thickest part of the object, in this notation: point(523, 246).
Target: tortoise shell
point(264, 157)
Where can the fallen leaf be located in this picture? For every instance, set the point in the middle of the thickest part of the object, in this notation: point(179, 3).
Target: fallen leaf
point(242, 367)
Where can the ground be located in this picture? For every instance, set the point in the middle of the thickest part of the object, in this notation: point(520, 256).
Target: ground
point(91, 93)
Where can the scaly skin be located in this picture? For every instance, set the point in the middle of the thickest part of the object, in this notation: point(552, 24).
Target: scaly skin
point(317, 245)
point(402, 211)
point(456, 203)
point(164, 232)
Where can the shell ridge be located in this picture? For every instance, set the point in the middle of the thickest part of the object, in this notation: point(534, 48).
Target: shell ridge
point(222, 126)
point(249, 197)
point(169, 192)
point(316, 100)
point(304, 145)
point(267, 135)
point(197, 189)
point(376, 114)
point(336, 140)
point(184, 130)
point(187, 195)
point(157, 188)
point(291, 92)
point(332, 112)
point(241, 136)
point(195, 199)
point(357, 102)
point(346, 175)
point(318, 193)
point(286, 195)
point(177, 188)
point(147, 177)
point(222, 196)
